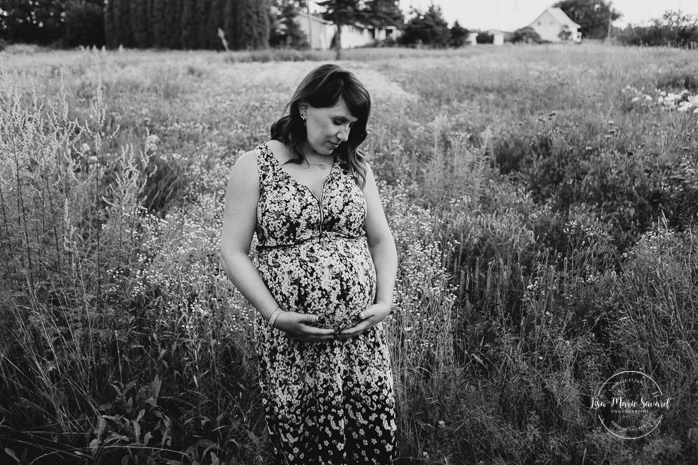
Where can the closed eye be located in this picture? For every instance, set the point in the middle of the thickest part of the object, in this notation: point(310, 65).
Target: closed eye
point(339, 122)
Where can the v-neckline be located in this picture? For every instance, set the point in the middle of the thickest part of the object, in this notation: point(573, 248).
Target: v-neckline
point(296, 181)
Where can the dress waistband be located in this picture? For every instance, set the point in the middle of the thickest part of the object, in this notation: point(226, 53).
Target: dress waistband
point(318, 238)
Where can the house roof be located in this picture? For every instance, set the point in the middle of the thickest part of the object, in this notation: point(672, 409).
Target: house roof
point(330, 23)
point(559, 16)
point(313, 18)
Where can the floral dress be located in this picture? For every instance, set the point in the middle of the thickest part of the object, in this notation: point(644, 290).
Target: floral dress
point(325, 402)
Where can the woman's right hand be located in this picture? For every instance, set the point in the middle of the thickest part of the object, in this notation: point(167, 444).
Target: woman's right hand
point(299, 326)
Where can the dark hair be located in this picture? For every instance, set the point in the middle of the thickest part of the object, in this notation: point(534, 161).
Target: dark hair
point(323, 87)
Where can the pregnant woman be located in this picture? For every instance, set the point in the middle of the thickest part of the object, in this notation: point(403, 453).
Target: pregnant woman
point(322, 279)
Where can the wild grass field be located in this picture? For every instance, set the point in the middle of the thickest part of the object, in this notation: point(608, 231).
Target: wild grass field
point(543, 200)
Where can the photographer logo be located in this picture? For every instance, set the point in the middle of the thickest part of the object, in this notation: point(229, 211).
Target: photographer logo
point(630, 405)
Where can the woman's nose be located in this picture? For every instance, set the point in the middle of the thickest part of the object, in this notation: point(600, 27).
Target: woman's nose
point(343, 134)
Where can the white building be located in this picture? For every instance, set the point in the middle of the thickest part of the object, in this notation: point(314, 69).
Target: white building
point(497, 37)
point(320, 33)
point(552, 22)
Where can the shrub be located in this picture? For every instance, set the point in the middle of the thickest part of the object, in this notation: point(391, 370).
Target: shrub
point(484, 38)
point(526, 35)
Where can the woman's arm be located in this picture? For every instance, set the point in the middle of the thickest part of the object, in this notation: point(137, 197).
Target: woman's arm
point(239, 222)
point(384, 254)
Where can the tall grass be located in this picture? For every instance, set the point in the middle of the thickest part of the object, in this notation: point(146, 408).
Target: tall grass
point(545, 228)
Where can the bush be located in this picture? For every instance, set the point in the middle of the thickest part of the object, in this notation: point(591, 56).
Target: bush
point(526, 35)
point(672, 30)
point(484, 38)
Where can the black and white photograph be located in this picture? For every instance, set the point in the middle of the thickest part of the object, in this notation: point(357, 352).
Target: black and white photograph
point(345, 232)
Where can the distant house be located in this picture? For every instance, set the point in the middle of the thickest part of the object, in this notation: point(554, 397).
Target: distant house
point(497, 37)
point(320, 32)
point(360, 35)
point(552, 22)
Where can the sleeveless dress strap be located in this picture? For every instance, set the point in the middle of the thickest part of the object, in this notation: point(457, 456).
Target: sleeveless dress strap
point(264, 164)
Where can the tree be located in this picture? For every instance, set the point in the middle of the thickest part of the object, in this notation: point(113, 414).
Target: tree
point(382, 13)
point(428, 28)
point(159, 23)
point(122, 23)
point(174, 24)
point(459, 35)
point(230, 23)
point(84, 25)
point(565, 33)
point(190, 25)
point(673, 29)
point(527, 35)
point(140, 19)
point(591, 15)
point(342, 13)
point(253, 24)
point(285, 31)
point(203, 34)
point(216, 21)
point(110, 25)
point(32, 21)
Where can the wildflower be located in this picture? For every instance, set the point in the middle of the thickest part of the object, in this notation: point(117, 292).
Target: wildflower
point(151, 143)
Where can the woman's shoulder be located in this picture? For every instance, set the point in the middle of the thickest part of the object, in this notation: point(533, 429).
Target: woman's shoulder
point(247, 160)
point(278, 150)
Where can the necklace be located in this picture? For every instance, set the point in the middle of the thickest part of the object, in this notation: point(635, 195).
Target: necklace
point(321, 166)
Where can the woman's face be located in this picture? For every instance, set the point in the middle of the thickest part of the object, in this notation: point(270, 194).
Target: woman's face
point(326, 127)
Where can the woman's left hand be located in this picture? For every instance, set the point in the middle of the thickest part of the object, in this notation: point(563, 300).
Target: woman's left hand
point(368, 319)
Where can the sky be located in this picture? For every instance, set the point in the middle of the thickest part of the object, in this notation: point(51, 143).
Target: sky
point(509, 15)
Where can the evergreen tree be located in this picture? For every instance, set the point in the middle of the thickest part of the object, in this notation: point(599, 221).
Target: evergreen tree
point(459, 35)
point(202, 10)
point(174, 24)
point(110, 25)
point(285, 31)
point(429, 28)
point(382, 13)
point(230, 23)
point(159, 17)
point(122, 22)
point(253, 24)
point(216, 21)
point(342, 13)
point(190, 25)
point(140, 18)
point(84, 25)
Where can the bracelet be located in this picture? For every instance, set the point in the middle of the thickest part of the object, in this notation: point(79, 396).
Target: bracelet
point(274, 316)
